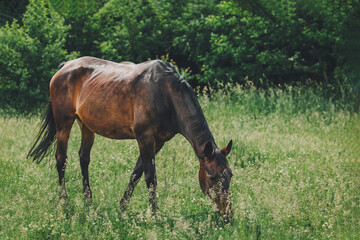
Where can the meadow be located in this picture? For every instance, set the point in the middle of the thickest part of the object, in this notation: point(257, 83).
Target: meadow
point(295, 160)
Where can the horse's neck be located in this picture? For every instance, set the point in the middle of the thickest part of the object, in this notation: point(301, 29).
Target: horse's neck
point(198, 134)
point(191, 121)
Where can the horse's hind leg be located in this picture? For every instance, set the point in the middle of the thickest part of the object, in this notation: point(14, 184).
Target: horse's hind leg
point(134, 179)
point(87, 140)
point(62, 138)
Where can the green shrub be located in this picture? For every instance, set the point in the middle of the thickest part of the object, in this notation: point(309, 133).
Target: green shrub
point(129, 30)
point(276, 42)
point(30, 56)
point(261, 43)
point(82, 35)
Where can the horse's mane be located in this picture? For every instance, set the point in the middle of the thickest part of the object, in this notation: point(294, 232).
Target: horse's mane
point(197, 121)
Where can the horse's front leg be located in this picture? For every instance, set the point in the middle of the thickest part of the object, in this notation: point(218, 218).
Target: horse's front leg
point(151, 182)
point(147, 155)
point(134, 179)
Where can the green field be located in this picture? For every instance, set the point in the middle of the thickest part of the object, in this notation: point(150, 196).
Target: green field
point(295, 160)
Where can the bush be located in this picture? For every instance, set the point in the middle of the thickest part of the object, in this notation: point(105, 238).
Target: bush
point(260, 43)
point(276, 42)
point(129, 31)
point(30, 56)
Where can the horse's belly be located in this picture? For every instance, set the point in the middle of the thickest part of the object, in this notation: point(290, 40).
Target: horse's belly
point(118, 133)
point(110, 123)
point(110, 130)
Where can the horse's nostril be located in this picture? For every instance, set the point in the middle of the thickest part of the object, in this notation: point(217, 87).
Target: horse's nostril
point(227, 173)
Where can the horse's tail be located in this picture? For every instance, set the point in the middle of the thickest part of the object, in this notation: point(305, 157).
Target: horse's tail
point(61, 65)
point(45, 137)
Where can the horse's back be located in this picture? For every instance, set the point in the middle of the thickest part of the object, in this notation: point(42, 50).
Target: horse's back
point(111, 99)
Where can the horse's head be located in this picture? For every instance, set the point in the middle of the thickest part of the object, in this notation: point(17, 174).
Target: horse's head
point(215, 175)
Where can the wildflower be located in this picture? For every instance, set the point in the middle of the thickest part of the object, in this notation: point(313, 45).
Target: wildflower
point(325, 225)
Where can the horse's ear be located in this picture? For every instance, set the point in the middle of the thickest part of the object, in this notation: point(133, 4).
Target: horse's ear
point(226, 150)
point(209, 150)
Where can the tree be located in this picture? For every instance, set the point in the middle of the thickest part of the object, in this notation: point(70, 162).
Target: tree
point(11, 10)
point(30, 56)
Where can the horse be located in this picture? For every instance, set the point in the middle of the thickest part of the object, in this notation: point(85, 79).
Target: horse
point(148, 102)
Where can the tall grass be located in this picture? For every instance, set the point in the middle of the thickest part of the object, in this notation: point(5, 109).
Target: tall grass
point(296, 170)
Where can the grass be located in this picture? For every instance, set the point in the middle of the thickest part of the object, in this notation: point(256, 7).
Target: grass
point(296, 170)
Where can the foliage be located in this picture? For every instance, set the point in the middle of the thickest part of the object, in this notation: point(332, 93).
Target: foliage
point(162, 26)
point(30, 56)
point(294, 159)
point(260, 42)
point(81, 36)
point(12, 10)
point(126, 27)
point(276, 42)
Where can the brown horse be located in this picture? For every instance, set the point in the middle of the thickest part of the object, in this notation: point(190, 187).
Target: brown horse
point(148, 102)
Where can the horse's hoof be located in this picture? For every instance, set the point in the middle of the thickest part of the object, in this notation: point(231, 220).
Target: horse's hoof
point(153, 208)
point(123, 204)
point(88, 194)
point(63, 195)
